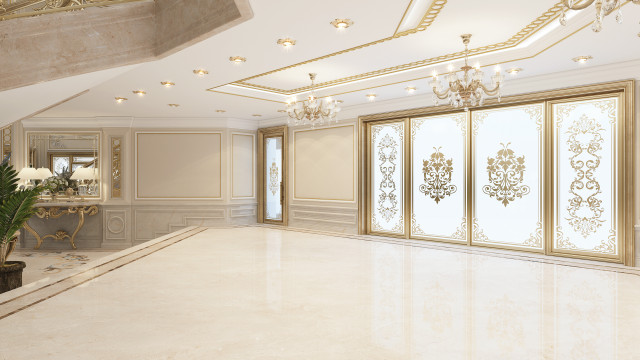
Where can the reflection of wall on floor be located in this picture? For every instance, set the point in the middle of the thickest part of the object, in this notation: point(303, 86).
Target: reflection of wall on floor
point(42, 264)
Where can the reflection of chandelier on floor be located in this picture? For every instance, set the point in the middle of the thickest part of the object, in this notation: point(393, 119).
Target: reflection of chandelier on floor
point(603, 8)
point(470, 89)
point(312, 110)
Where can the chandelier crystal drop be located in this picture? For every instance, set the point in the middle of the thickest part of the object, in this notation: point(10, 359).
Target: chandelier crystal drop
point(603, 8)
point(469, 90)
point(312, 110)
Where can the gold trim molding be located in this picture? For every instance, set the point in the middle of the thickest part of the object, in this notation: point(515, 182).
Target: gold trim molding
point(116, 167)
point(430, 16)
point(19, 9)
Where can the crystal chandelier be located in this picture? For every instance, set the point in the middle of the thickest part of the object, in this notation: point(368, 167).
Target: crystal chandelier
point(603, 8)
point(470, 89)
point(312, 110)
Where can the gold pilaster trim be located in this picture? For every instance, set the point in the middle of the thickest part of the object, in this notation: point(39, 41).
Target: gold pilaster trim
point(116, 167)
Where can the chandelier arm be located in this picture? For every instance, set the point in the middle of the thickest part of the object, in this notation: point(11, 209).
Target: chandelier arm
point(577, 6)
point(490, 92)
point(299, 115)
point(441, 95)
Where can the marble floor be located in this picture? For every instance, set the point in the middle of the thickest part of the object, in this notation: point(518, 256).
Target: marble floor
point(262, 293)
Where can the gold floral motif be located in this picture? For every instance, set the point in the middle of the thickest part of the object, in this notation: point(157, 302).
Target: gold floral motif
point(535, 112)
point(609, 107)
point(561, 241)
point(535, 238)
point(478, 234)
point(461, 231)
point(506, 175)
point(387, 198)
point(116, 167)
point(608, 246)
point(478, 119)
point(585, 140)
point(437, 172)
point(274, 185)
point(415, 227)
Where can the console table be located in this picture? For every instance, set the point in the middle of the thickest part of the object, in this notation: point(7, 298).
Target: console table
point(56, 210)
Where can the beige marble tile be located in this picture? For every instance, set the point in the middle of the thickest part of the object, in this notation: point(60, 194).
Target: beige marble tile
point(261, 293)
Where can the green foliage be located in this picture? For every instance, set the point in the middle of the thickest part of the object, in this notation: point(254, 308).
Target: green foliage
point(16, 206)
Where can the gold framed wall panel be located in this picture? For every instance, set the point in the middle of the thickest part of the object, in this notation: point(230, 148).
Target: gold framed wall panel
point(116, 167)
point(354, 161)
point(262, 135)
point(137, 134)
point(625, 89)
point(253, 166)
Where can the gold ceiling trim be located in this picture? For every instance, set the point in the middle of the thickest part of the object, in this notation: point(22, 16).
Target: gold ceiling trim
point(13, 11)
point(403, 16)
point(427, 20)
point(246, 96)
point(529, 30)
point(424, 77)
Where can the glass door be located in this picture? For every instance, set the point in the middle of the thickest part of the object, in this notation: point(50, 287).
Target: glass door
point(272, 145)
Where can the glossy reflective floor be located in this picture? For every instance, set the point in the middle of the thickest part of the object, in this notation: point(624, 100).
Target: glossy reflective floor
point(259, 293)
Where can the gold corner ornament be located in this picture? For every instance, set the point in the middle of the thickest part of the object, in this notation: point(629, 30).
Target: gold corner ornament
point(506, 175)
point(437, 172)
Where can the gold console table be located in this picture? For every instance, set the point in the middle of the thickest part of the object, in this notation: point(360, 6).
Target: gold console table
point(56, 211)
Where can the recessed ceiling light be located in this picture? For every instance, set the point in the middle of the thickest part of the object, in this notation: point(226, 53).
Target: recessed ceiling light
point(282, 111)
point(201, 72)
point(256, 115)
point(120, 100)
point(514, 71)
point(221, 111)
point(411, 89)
point(341, 23)
point(582, 59)
point(167, 83)
point(174, 105)
point(287, 43)
point(237, 59)
point(140, 92)
point(371, 97)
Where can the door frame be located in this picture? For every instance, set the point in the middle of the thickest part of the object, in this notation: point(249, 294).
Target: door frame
point(263, 133)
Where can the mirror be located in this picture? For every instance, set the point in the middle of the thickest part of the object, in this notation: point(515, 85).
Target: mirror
point(72, 159)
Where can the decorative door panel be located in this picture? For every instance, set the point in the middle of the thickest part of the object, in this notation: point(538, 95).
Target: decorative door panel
point(508, 177)
point(387, 178)
point(438, 190)
point(585, 177)
point(273, 177)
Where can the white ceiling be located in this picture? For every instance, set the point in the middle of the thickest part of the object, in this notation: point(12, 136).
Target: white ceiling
point(549, 49)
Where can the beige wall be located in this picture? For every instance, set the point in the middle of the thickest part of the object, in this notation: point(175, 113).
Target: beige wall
point(243, 165)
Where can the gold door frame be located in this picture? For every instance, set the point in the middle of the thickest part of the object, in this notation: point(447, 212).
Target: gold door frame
point(626, 161)
point(277, 131)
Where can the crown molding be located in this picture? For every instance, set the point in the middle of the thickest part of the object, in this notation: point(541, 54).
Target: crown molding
point(140, 123)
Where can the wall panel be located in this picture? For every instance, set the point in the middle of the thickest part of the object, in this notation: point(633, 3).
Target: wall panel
point(242, 166)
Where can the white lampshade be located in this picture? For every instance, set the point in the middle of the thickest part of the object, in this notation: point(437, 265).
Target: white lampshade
point(45, 173)
point(29, 173)
point(84, 174)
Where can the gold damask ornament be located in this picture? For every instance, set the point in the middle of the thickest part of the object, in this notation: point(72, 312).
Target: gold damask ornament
point(437, 172)
point(506, 176)
point(273, 178)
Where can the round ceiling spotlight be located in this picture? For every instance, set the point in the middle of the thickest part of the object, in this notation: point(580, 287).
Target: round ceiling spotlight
point(371, 97)
point(514, 71)
point(120, 100)
point(221, 111)
point(201, 72)
point(341, 24)
point(167, 84)
point(140, 92)
point(286, 43)
point(582, 59)
point(237, 59)
point(174, 105)
point(411, 89)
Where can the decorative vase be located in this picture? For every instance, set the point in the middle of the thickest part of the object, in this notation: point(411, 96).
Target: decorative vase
point(11, 275)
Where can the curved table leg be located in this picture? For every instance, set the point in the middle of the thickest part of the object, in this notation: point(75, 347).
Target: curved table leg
point(35, 234)
point(80, 223)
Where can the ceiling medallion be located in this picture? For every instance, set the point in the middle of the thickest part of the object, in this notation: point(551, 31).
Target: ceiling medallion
point(201, 72)
point(603, 8)
point(140, 92)
point(341, 23)
point(120, 100)
point(167, 83)
point(470, 89)
point(174, 105)
point(237, 59)
point(312, 110)
point(287, 43)
point(582, 59)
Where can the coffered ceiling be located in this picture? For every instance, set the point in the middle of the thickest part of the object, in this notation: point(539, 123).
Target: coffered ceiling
point(391, 45)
